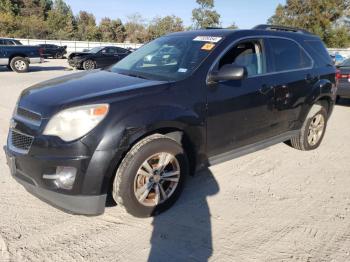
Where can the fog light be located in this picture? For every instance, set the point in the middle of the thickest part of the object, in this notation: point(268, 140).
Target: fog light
point(64, 177)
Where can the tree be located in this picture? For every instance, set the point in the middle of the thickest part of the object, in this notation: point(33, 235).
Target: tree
point(205, 16)
point(135, 29)
point(60, 21)
point(319, 17)
point(112, 30)
point(232, 26)
point(86, 25)
point(162, 26)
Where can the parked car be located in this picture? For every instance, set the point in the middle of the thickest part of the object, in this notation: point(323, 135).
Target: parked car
point(98, 57)
point(18, 58)
point(343, 76)
point(138, 128)
point(9, 41)
point(337, 58)
point(53, 51)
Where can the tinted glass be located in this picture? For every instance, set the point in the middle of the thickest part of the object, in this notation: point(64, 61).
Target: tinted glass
point(121, 50)
point(9, 42)
point(1, 42)
point(319, 52)
point(345, 63)
point(287, 55)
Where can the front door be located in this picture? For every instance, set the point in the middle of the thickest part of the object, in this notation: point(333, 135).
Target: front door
point(240, 112)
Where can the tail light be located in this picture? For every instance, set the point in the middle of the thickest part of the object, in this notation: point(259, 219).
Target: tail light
point(337, 75)
point(340, 76)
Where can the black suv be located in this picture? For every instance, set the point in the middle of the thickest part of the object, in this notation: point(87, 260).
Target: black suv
point(179, 103)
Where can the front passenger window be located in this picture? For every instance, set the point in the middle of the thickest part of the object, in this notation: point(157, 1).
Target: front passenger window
point(246, 54)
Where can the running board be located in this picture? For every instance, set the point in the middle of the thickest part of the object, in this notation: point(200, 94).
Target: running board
point(252, 148)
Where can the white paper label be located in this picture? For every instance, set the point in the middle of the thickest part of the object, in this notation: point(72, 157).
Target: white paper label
point(211, 39)
point(182, 70)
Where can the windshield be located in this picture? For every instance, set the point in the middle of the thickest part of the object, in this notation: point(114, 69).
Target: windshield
point(345, 63)
point(169, 58)
point(95, 50)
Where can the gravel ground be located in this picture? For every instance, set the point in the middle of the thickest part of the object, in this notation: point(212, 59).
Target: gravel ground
point(278, 204)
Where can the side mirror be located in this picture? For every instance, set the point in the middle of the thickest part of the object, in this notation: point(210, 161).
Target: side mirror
point(228, 72)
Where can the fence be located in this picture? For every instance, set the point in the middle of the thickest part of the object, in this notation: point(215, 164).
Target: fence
point(76, 46)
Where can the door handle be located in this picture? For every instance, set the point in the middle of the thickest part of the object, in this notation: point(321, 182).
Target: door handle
point(265, 89)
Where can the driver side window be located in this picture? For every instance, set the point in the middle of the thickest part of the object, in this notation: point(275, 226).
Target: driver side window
point(248, 54)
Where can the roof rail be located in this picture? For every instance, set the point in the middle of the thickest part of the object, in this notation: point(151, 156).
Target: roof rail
point(281, 28)
point(213, 27)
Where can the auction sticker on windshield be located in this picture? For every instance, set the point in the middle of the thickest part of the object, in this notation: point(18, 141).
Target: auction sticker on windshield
point(211, 39)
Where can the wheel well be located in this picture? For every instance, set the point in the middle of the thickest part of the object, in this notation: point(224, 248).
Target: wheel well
point(16, 55)
point(325, 102)
point(179, 135)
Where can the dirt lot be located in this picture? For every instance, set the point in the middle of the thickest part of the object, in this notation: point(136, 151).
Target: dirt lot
point(278, 204)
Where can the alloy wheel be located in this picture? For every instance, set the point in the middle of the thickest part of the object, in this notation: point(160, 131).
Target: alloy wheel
point(157, 179)
point(316, 129)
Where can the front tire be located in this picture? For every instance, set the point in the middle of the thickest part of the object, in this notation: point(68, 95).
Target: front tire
point(19, 64)
point(312, 131)
point(151, 176)
point(89, 65)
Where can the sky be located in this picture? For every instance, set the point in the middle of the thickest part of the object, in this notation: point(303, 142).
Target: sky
point(245, 13)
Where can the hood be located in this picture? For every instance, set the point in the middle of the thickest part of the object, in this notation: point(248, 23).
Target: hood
point(75, 89)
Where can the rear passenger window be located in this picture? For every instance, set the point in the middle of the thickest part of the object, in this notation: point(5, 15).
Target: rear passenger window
point(287, 55)
point(319, 52)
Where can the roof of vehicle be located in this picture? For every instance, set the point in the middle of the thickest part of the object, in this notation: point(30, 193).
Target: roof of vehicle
point(257, 31)
point(4, 38)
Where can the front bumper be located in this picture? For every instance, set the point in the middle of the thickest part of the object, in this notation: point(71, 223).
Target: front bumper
point(89, 192)
point(344, 90)
point(74, 63)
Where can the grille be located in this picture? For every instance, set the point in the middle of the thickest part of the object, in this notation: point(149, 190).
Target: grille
point(21, 141)
point(28, 115)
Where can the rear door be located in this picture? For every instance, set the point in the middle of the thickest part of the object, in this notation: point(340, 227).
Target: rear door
point(291, 76)
point(107, 57)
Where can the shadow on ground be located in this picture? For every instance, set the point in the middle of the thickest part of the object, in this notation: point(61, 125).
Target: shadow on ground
point(183, 233)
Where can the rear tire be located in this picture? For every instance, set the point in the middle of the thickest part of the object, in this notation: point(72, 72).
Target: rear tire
point(89, 65)
point(143, 185)
point(19, 64)
point(312, 131)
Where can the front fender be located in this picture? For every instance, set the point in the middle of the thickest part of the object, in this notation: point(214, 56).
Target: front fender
point(132, 127)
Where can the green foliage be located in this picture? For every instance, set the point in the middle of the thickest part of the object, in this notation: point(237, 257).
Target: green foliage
point(205, 16)
point(162, 26)
point(135, 29)
point(54, 19)
point(112, 30)
point(316, 16)
point(60, 21)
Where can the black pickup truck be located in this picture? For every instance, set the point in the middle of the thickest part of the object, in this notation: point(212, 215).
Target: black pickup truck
point(17, 58)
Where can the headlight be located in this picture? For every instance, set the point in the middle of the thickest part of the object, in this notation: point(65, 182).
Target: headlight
point(74, 123)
